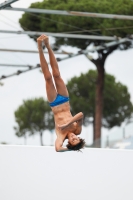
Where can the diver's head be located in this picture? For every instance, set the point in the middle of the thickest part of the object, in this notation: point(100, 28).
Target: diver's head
point(75, 143)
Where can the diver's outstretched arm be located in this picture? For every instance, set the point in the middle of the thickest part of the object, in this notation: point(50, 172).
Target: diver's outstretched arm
point(59, 147)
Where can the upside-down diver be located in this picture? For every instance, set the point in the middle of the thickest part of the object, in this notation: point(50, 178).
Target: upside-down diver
point(66, 125)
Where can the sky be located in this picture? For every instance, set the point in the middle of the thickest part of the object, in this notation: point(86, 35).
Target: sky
point(31, 84)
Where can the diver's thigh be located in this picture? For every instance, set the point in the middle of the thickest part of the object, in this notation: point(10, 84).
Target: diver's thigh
point(51, 91)
point(60, 86)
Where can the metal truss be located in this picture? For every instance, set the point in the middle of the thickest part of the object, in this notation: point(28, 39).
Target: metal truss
point(38, 65)
point(7, 4)
point(72, 13)
point(14, 65)
point(63, 35)
point(32, 51)
point(20, 72)
point(82, 52)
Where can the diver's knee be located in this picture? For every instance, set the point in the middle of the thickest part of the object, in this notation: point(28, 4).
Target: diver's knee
point(48, 78)
point(56, 76)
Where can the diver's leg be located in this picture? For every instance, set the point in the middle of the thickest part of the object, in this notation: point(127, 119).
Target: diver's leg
point(60, 85)
point(50, 89)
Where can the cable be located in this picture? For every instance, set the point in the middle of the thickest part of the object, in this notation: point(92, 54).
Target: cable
point(6, 58)
point(82, 30)
point(19, 58)
point(7, 23)
point(113, 28)
point(60, 22)
point(101, 25)
point(16, 23)
point(15, 28)
point(35, 15)
point(8, 18)
point(12, 36)
point(120, 28)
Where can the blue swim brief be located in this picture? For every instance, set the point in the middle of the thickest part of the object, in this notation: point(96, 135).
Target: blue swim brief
point(59, 100)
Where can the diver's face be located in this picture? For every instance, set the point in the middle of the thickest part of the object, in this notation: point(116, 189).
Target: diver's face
point(73, 139)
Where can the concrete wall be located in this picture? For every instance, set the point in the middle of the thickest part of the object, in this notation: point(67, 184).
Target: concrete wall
point(40, 173)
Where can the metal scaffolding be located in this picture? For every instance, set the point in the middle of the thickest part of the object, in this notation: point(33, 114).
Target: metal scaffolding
point(114, 40)
point(32, 51)
point(72, 13)
point(14, 65)
point(62, 35)
point(20, 71)
point(82, 52)
point(7, 4)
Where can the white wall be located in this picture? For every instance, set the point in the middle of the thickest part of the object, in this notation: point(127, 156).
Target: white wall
point(40, 173)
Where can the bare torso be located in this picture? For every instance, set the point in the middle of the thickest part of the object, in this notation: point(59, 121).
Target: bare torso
point(62, 115)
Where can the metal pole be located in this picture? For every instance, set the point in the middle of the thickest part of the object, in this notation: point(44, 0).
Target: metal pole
point(31, 51)
point(19, 72)
point(74, 55)
point(109, 44)
point(72, 13)
point(7, 3)
point(107, 141)
point(64, 35)
point(14, 65)
point(123, 133)
point(30, 67)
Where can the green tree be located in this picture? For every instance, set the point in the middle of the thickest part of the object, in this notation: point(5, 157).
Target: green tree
point(33, 116)
point(117, 103)
point(3, 143)
point(85, 25)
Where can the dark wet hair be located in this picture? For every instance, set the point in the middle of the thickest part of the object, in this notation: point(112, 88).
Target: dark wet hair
point(76, 147)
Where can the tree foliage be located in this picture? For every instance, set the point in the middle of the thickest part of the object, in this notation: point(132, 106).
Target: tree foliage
point(83, 25)
point(117, 104)
point(33, 116)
